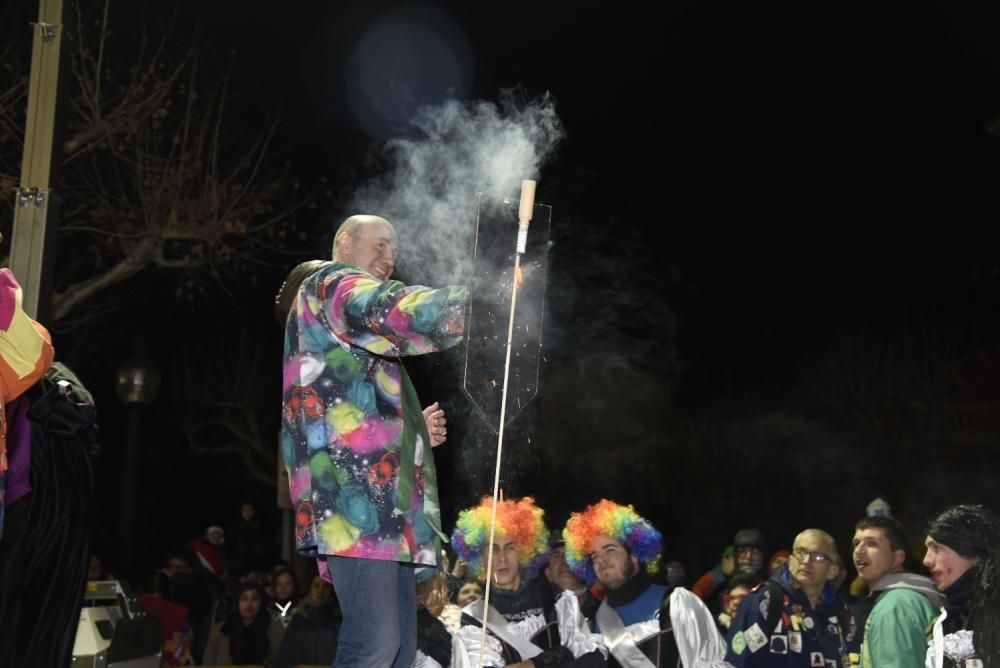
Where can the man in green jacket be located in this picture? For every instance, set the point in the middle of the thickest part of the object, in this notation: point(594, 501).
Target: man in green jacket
point(901, 604)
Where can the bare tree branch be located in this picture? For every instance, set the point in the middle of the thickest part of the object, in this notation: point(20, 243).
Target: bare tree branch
point(159, 171)
point(220, 412)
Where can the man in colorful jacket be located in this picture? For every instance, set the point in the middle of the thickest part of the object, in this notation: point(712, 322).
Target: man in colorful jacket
point(795, 620)
point(354, 438)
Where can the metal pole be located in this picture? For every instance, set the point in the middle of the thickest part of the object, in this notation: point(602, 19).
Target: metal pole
point(130, 490)
point(35, 211)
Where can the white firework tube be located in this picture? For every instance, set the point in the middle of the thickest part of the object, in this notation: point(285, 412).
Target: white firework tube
point(524, 213)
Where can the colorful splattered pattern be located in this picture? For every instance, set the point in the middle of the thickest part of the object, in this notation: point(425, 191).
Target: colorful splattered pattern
point(346, 396)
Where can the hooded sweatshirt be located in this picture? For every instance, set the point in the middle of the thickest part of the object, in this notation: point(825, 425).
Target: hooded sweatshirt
point(895, 633)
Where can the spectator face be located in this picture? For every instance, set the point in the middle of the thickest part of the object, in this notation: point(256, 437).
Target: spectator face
point(470, 591)
point(729, 561)
point(873, 555)
point(506, 569)
point(320, 589)
point(749, 559)
point(613, 564)
point(247, 512)
point(373, 249)
point(945, 564)
point(558, 572)
point(284, 586)
point(94, 568)
point(676, 575)
point(216, 537)
point(249, 605)
point(777, 563)
point(731, 601)
point(176, 565)
point(811, 563)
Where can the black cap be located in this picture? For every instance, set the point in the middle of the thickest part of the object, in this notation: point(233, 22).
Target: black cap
point(748, 538)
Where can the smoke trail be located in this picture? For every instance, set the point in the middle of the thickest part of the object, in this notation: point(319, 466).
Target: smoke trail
point(457, 149)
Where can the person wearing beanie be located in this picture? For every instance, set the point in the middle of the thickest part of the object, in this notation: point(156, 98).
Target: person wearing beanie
point(642, 623)
point(527, 624)
point(208, 550)
point(963, 543)
point(748, 551)
point(749, 546)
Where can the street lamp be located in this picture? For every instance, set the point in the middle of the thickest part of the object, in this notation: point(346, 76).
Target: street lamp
point(137, 382)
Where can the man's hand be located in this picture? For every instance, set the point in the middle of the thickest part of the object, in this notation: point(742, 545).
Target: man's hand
point(437, 424)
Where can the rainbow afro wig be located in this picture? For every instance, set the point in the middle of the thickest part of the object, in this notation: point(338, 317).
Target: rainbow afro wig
point(521, 521)
point(619, 522)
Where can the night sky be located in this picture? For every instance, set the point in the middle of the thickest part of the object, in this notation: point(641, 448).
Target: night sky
point(752, 201)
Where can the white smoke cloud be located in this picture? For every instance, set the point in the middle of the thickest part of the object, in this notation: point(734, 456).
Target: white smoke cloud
point(457, 150)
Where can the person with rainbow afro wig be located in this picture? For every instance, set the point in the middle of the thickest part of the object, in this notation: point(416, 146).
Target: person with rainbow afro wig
point(527, 624)
point(623, 524)
point(521, 521)
point(642, 624)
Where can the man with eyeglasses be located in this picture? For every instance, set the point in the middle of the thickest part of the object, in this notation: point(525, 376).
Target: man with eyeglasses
point(795, 619)
point(642, 624)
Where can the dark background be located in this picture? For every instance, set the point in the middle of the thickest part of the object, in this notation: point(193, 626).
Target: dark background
point(773, 277)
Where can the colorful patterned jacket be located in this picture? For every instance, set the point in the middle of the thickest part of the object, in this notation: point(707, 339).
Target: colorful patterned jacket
point(353, 436)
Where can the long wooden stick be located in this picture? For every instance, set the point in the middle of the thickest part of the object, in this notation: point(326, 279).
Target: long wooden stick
point(525, 210)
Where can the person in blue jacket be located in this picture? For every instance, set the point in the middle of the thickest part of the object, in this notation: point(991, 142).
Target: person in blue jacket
point(795, 619)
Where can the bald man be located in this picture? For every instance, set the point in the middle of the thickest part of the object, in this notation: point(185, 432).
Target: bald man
point(354, 438)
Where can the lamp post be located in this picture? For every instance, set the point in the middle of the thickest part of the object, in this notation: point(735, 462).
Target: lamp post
point(137, 382)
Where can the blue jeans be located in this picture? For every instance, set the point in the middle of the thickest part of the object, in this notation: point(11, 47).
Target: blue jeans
point(379, 602)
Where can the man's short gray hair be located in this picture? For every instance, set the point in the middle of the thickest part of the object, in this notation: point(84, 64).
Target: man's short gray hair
point(351, 226)
point(827, 538)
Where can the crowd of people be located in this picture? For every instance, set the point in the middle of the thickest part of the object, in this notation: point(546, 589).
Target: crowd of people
point(597, 593)
point(354, 443)
point(222, 598)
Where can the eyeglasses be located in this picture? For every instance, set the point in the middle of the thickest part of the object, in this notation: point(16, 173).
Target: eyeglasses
point(805, 556)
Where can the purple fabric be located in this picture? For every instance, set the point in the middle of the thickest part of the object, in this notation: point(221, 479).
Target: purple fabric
point(18, 450)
